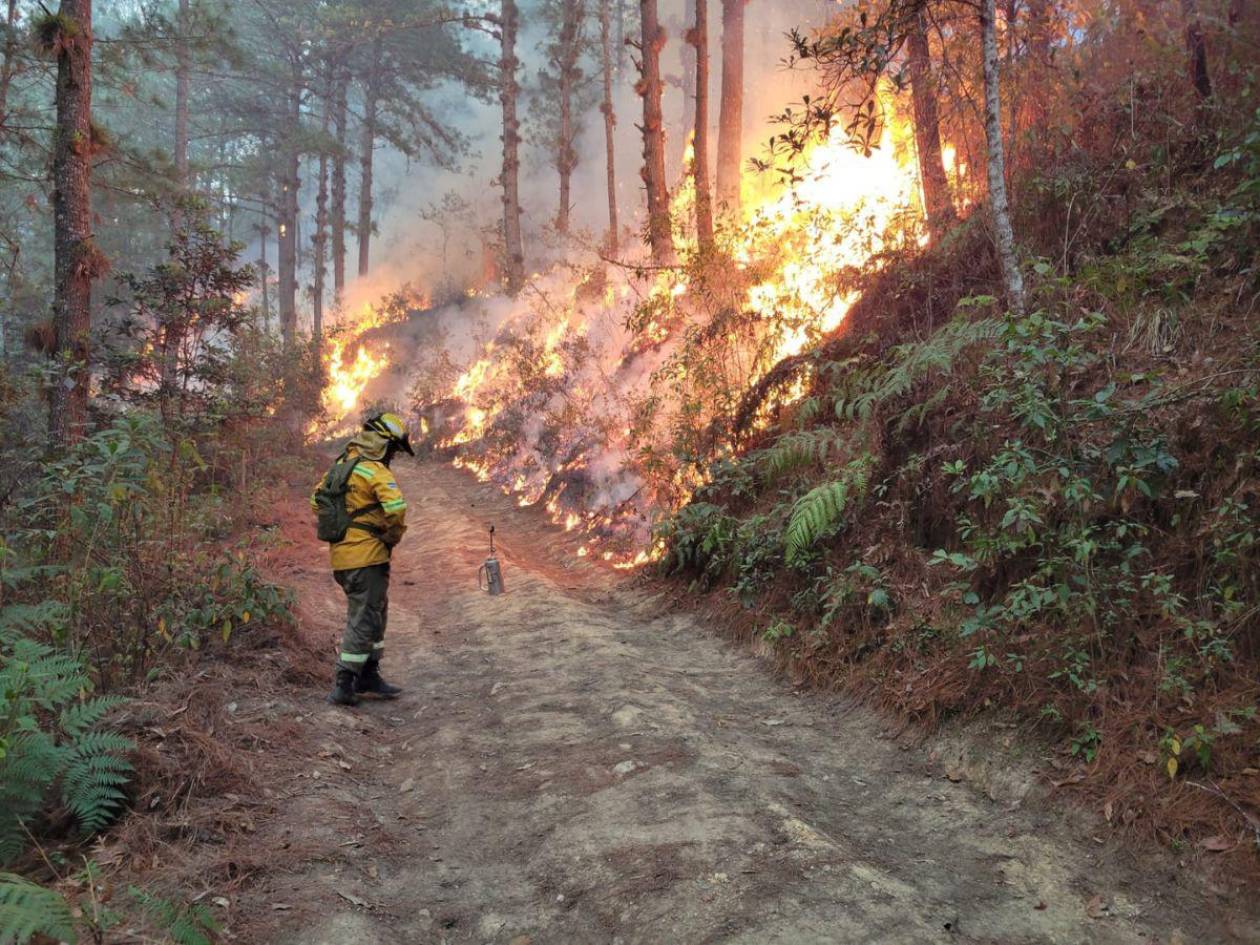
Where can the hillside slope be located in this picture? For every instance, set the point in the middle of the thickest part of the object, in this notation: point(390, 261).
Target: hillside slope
point(1053, 515)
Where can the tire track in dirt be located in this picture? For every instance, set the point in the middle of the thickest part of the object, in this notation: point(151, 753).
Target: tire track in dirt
point(573, 763)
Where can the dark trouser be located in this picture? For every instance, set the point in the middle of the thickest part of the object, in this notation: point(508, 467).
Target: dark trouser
point(367, 598)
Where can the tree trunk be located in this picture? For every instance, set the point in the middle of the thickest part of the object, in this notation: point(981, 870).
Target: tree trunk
point(172, 331)
point(621, 36)
point(513, 247)
point(263, 232)
point(660, 237)
point(320, 240)
point(76, 259)
point(1196, 46)
point(286, 263)
point(610, 125)
point(338, 220)
point(10, 60)
point(700, 165)
point(688, 83)
point(731, 118)
point(1039, 31)
point(937, 202)
point(1032, 107)
point(566, 156)
point(371, 93)
point(1003, 233)
point(183, 70)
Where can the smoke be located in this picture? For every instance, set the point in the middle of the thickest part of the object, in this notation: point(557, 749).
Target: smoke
point(421, 245)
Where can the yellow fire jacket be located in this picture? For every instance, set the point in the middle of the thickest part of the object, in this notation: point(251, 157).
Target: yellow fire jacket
point(370, 484)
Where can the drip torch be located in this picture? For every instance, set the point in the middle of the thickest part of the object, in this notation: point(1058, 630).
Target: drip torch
point(490, 571)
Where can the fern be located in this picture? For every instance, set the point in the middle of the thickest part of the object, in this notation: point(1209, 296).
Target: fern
point(185, 925)
point(27, 620)
point(794, 451)
point(51, 745)
point(93, 780)
point(83, 716)
point(822, 509)
point(27, 910)
point(861, 390)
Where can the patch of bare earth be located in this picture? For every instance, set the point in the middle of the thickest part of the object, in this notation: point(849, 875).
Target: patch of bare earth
point(574, 762)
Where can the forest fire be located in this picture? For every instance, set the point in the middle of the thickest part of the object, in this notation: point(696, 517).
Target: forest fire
point(547, 408)
point(551, 406)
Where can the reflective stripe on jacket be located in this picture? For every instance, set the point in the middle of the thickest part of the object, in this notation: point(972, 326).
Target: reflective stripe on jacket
point(370, 484)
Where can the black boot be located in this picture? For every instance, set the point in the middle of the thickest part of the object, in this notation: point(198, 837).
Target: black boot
point(370, 682)
point(344, 689)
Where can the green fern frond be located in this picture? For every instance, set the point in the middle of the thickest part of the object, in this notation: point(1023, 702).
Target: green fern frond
point(92, 784)
point(858, 391)
point(186, 925)
point(80, 717)
point(28, 909)
point(794, 451)
point(822, 509)
point(26, 620)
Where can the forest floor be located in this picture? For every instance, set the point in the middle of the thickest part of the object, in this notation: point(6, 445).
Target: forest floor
point(578, 761)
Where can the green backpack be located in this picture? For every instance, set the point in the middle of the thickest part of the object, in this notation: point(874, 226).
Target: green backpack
point(332, 520)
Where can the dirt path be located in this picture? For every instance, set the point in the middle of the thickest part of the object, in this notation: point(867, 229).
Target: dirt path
point(574, 765)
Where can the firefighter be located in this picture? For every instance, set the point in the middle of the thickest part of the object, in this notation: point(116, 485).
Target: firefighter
point(362, 514)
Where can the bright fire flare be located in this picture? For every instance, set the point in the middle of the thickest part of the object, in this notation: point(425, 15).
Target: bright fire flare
point(346, 381)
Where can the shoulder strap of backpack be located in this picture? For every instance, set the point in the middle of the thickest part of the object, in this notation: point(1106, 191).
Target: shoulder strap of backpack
point(371, 507)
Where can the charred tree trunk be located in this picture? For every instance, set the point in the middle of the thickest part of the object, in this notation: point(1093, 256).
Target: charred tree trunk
point(700, 165)
point(660, 237)
point(610, 125)
point(513, 247)
point(320, 241)
point(286, 263)
point(1196, 47)
point(731, 118)
point(1004, 235)
point(937, 202)
point(9, 65)
point(566, 156)
point(77, 261)
point(338, 214)
point(371, 94)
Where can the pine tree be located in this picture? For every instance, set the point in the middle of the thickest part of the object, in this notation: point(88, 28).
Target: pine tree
point(68, 35)
point(938, 203)
point(731, 118)
point(999, 205)
point(699, 40)
point(660, 236)
point(513, 247)
point(610, 123)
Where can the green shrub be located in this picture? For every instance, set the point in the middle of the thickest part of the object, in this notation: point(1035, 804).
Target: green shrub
point(119, 538)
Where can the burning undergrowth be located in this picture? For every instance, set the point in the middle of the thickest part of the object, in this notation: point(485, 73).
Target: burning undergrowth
point(606, 390)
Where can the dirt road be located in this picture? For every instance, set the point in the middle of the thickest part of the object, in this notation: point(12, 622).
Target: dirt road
point(575, 764)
